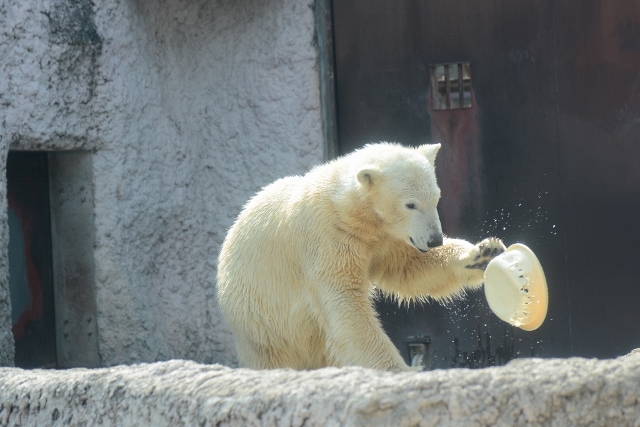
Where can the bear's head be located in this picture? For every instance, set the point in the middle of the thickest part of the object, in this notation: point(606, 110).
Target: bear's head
point(400, 185)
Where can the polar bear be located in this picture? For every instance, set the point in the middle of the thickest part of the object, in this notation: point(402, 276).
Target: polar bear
point(299, 268)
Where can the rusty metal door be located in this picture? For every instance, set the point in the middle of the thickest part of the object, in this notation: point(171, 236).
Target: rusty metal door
point(545, 153)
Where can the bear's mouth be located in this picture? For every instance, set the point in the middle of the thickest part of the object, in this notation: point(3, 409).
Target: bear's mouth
point(424, 251)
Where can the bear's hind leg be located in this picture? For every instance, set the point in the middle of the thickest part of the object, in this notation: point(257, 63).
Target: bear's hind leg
point(260, 356)
point(285, 354)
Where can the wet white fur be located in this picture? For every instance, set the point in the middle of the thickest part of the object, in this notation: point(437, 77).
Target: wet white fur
point(298, 268)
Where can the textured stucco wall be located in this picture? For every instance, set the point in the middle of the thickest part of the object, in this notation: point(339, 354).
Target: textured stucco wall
point(189, 107)
point(570, 392)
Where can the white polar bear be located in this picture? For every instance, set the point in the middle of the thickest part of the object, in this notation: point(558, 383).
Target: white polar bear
point(298, 269)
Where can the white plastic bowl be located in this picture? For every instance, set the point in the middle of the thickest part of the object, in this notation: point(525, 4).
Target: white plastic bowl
point(516, 289)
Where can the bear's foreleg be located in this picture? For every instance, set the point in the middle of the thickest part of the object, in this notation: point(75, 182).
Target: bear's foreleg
point(441, 273)
point(354, 336)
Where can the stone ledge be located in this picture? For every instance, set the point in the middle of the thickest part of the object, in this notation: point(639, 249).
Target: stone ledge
point(558, 392)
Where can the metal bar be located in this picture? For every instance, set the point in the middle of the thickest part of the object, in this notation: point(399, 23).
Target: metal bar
point(460, 87)
point(327, 69)
point(447, 85)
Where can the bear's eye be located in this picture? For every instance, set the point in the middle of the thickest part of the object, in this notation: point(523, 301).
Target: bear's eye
point(410, 205)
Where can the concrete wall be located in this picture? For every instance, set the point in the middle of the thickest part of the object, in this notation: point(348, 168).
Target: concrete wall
point(570, 392)
point(188, 107)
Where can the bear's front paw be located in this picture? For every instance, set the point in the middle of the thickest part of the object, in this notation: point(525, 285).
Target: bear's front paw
point(484, 252)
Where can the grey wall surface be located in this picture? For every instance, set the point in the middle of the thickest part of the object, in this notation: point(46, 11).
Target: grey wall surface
point(569, 392)
point(188, 108)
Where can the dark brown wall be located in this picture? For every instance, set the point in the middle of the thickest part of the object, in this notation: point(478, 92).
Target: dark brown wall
point(547, 156)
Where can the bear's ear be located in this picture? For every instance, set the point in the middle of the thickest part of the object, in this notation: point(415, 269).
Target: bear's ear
point(429, 151)
point(367, 176)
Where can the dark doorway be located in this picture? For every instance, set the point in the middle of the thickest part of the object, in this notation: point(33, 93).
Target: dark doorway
point(545, 155)
point(30, 262)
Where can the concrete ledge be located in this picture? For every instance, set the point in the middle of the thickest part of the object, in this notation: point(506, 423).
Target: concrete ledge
point(558, 392)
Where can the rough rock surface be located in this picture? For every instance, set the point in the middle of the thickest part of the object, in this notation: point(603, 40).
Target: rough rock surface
point(189, 107)
point(555, 392)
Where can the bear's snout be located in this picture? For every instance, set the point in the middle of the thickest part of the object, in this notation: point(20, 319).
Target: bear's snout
point(435, 241)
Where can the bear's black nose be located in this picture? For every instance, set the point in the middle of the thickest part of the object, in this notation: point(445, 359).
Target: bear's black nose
point(435, 242)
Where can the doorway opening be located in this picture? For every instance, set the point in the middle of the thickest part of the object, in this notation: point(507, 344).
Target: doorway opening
point(30, 265)
point(51, 270)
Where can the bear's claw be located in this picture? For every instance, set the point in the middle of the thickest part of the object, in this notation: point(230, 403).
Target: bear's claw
point(486, 251)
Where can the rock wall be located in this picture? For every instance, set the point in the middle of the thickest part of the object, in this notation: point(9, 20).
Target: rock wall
point(570, 392)
point(188, 108)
